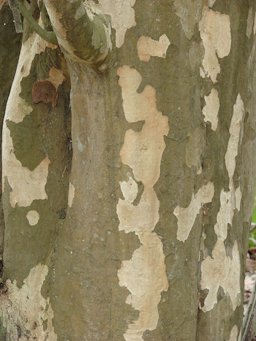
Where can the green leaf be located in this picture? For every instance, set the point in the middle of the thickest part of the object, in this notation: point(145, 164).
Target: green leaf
point(254, 215)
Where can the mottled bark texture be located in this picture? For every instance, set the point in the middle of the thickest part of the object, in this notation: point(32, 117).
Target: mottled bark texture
point(140, 233)
point(10, 46)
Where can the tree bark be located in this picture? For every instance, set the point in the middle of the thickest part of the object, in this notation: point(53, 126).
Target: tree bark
point(143, 234)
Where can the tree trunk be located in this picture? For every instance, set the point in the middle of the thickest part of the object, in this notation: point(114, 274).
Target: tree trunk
point(140, 232)
point(10, 46)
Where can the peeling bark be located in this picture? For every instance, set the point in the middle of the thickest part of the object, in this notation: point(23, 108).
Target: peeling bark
point(82, 30)
point(135, 226)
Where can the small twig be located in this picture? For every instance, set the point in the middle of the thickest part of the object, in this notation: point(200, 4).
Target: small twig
point(16, 15)
point(46, 35)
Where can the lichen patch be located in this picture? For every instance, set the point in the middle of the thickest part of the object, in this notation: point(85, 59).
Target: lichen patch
point(215, 33)
point(27, 309)
point(211, 108)
point(148, 47)
point(144, 275)
point(186, 216)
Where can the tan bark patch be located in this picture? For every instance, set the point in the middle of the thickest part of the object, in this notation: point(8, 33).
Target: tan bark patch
point(211, 3)
point(211, 108)
point(71, 194)
point(122, 16)
point(215, 33)
point(235, 131)
point(27, 308)
point(144, 274)
point(221, 271)
point(148, 47)
point(186, 216)
point(56, 77)
point(233, 334)
point(26, 185)
point(145, 277)
point(33, 217)
point(224, 216)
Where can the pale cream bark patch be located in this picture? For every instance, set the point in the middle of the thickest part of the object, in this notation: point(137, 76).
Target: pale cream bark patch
point(144, 275)
point(224, 216)
point(211, 3)
point(233, 334)
point(254, 25)
point(135, 219)
point(215, 33)
point(71, 194)
point(235, 131)
point(148, 47)
point(122, 16)
point(238, 198)
point(186, 216)
point(211, 108)
point(249, 27)
point(229, 201)
point(129, 189)
point(26, 185)
point(189, 13)
point(27, 308)
point(32, 217)
point(221, 271)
